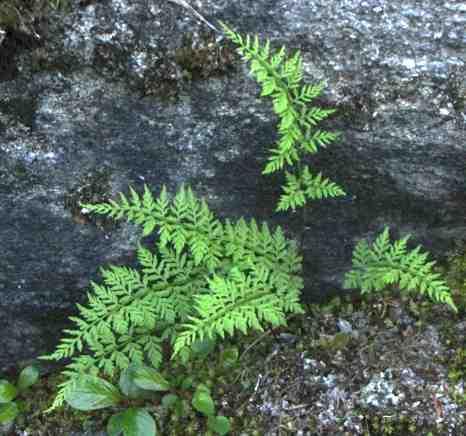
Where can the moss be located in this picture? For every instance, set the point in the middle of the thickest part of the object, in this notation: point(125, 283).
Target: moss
point(22, 24)
point(21, 15)
point(456, 90)
point(170, 72)
point(377, 425)
point(454, 270)
point(94, 187)
point(10, 15)
point(204, 59)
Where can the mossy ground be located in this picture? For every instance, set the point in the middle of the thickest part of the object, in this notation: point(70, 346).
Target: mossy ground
point(269, 391)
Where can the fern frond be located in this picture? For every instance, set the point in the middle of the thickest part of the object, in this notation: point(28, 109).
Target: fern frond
point(239, 302)
point(197, 262)
point(300, 188)
point(117, 311)
point(280, 78)
point(387, 263)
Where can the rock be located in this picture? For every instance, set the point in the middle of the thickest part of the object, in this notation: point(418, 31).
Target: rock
point(380, 391)
point(118, 93)
point(344, 326)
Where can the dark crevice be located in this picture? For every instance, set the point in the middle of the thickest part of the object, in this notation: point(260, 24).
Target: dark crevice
point(14, 43)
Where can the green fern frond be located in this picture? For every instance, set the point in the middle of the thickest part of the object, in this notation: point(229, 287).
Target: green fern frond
point(300, 188)
point(130, 314)
point(386, 263)
point(144, 211)
point(239, 302)
point(281, 78)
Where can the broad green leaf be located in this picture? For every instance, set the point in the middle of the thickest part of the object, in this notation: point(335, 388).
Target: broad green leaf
point(148, 378)
point(127, 384)
point(91, 393)
point(8, 412)
point(219, 424)
point(28, 377)
point(132, 422)
point(203, 402)
point(7, 391)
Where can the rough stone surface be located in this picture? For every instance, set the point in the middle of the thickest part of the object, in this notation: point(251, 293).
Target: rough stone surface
point(108, 94)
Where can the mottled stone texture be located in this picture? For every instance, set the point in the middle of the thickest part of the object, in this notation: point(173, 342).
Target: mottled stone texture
point(111, 93)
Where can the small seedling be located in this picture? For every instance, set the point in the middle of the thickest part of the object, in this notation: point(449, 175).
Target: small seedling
point(9, 408)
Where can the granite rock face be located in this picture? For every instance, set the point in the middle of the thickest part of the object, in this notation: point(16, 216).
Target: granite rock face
point(109, 94)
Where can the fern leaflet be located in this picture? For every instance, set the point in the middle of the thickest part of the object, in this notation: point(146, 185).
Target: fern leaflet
point(387, 263)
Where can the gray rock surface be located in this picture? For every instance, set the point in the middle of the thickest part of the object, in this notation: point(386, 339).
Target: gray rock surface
point(132, 92)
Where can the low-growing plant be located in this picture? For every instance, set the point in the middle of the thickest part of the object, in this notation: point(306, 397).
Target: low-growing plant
point(203, 402)
point(454, 270)
point(206, 279)
point(387, 264)
point(140, 382)
point(10, 406)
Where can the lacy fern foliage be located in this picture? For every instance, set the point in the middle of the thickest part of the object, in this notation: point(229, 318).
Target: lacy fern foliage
point(384, 263)
point(280, 78)
point(205, 279)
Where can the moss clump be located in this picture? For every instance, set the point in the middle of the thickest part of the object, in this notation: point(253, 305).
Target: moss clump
point(168, 73)
point(21, 15)
point(397, 425)
point(454, 272)
point(205, 58)
point(456, 89)
point(93, 187)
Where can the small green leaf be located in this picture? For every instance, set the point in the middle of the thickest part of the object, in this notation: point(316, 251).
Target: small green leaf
point(132, 422)
point(187, 382)
point(7, 391)
point(149, 379)
point(23, 406)
point(27, 377)
point(203, 402)
point(229, 357)
point(8, 412)
point(219, 424)
point(91, 393)
point(180, 408)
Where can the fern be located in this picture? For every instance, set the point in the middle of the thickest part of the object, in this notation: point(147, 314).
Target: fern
point(386, 263)
point(300, 188)
point(280, 78)
point(242, 302)
point(204, 279)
